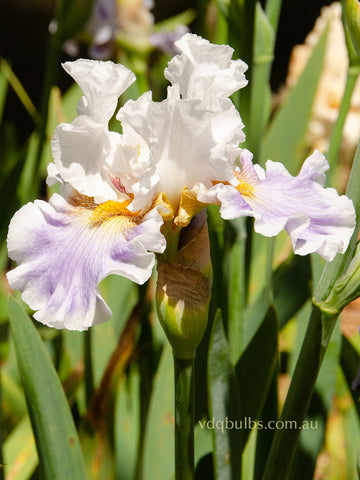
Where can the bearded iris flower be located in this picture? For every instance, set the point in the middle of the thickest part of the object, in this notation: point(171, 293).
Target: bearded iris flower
point(172, 159)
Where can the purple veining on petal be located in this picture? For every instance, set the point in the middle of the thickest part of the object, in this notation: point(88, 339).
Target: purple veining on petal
point(317, 219)
point(133, 233)
point(62, 258)
point(121, 251)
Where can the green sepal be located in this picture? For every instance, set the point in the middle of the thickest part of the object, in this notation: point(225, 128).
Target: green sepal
point(346, 288)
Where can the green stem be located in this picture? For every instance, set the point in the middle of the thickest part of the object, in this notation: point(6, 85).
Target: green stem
point(238, 288)
point(172, 235)
point(260, 104)
point(272, 10)
point(269, 268)
point(336, 135)
point(146, 369)
point(248, 252)
point(19, 90)
point(313, 349)
point(52, 68)
point(184, 419)
point(89, 374)
point(241, 19)
point(298, 398)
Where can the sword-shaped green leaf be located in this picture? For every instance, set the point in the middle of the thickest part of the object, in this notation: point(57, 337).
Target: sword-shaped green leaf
point(20, 456)
point(287, 130)
point(56, 438)
point(159, 436)
point(224, 406)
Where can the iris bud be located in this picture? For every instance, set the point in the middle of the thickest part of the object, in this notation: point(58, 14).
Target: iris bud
point(184, 289)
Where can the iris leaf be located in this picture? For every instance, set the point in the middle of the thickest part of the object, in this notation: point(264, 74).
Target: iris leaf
point(19, 90)
point(350, 363)
point(291, 281)
point(313, 434)
point(13, 404)
point(293, 117)
point(260, 101)
point(224, 406)
point(54, 430)
point(256, 366)
point(3, 91)
point(159, 436)
point(127, 428)
point(20, 456)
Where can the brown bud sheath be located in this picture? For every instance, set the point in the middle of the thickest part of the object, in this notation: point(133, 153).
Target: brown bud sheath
point(184, 289)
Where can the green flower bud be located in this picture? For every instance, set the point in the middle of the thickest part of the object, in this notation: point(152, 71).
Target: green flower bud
point(345, 289)
point(352, 17)
point(184, 290)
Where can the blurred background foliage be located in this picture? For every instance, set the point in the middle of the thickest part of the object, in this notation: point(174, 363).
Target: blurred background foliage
point(99, 405)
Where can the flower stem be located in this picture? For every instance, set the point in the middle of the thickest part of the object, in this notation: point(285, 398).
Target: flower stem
point(317, 337)
point(336, 135)
point(297, 401)
point(272, 10)
point(146, 369)
point(172, 234)
point(52, 69)
point(184, 419)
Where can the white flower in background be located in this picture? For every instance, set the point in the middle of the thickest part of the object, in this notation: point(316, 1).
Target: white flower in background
point(172, 158)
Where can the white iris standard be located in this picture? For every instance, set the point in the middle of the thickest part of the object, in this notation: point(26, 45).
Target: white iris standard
point(172, 159)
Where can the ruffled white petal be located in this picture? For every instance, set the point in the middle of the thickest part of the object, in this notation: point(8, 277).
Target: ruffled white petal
point(188, 144)
point(54, 176)
point(131, 163)
point(204, 70)
point(165, 147)
point(80, 150)
point(101, 83)
point(317, 219)
point(64, 250)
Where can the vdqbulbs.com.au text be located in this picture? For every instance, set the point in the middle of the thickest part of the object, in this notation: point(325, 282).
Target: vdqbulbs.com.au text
point(247, 423)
